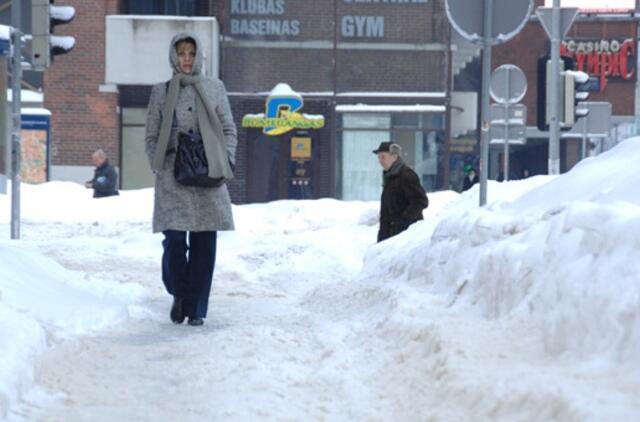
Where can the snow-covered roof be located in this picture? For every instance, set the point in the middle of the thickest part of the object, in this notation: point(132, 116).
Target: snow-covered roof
point(284, 90)
point(370, 94)
point(416, 108)
point(27, 96)
point(393, 94)
point(5, 32)
point(36, 111)
point(162, 17)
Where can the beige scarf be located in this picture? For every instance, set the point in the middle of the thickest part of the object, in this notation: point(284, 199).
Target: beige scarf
point(210, 127)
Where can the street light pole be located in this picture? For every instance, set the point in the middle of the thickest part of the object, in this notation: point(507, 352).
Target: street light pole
point(637, 99)
point(16, 102)
point(554, 101)
point(484, 105)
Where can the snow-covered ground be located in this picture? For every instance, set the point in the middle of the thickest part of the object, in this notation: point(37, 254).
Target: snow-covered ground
point(525, 310)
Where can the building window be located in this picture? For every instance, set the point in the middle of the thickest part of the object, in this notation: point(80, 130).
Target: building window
point(161, 7)
point(359, 174)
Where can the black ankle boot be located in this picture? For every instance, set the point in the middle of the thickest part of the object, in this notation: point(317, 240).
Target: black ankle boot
point(195, 322)
point(177, 314)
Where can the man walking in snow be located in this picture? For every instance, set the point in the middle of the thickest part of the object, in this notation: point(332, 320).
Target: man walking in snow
point(105, 178)
point(403, 197)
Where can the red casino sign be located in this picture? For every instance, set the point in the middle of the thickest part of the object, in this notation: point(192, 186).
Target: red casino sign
point(603, 59)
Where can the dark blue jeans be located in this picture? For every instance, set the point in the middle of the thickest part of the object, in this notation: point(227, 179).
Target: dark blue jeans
point(187, 269)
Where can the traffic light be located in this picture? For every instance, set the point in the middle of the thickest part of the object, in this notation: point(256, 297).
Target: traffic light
point(44, 45)
point(544, 91)
point(575, 90)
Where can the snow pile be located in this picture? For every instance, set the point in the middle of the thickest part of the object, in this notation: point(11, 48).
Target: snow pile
point(563, 256)
point(40, 300)
point(526, 309)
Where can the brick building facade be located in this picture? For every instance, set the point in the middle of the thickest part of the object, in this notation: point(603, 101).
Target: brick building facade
point(338, 53)
point(83, 117)
point(374, 70)
point(589, 32)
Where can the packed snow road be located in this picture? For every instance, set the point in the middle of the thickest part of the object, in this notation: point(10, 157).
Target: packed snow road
point(290, 344)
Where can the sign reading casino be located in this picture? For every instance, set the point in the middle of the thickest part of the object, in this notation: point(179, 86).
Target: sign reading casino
point(603, 58)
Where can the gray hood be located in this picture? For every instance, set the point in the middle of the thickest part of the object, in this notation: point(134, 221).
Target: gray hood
point(173, 55)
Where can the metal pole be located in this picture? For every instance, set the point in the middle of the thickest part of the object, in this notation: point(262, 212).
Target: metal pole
point(554, 124)
point(584, 138)
point(637, 99)
point(506, 140)
point(16, 102)
point(5, 142)
point(486, 74)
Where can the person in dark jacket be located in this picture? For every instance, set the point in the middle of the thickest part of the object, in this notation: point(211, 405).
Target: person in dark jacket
point(105, 178)
point(470, 177)
point(403, 197)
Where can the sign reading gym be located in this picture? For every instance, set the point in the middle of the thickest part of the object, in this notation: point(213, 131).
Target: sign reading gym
point(272, 18)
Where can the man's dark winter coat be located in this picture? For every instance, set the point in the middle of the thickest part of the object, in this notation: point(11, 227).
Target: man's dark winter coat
point(105, 181)
point(468, 183)
point(403, 200)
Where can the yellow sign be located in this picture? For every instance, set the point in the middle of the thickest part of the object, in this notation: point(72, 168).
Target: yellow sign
point(301, 148)
point(281, 113)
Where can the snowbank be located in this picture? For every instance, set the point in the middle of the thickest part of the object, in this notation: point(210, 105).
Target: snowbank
point(560, 252)
point(41, 300)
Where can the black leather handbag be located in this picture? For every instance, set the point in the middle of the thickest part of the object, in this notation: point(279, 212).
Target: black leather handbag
point(191, 167)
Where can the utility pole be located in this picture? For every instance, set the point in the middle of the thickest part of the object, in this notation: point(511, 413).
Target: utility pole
point(485, 106)
point(637, 99)
point(554, 102)
point(16, 102)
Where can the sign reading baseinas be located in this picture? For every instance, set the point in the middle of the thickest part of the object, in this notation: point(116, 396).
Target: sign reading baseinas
point(364, 19)
point(281, 113)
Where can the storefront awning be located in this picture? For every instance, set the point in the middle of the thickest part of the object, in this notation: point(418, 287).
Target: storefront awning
point(391, 108)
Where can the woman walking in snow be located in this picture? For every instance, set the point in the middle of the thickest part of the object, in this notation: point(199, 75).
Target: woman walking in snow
point(189, 108)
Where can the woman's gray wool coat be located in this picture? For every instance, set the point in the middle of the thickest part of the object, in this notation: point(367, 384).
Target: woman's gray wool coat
point(179, 207)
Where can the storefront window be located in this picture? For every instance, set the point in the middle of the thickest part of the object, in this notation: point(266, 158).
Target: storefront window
point(359, 174)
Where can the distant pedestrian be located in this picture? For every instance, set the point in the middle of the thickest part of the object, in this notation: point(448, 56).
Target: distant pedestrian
point(190, 111)
point(105, 178)
point(403, 197)
point(470, 177)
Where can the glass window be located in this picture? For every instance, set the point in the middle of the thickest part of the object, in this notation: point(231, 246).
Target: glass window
point(419, 134)
point(360, 174)
point(366, 120)
point(406, 120)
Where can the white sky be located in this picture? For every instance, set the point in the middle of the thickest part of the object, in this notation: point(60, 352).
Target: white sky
point(595, 4)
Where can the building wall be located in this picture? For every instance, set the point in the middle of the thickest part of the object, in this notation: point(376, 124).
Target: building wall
point(376, 46)
point(83, 118)
point(406, 54)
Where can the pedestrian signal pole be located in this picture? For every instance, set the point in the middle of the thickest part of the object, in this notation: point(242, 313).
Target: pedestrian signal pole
point(16, 106)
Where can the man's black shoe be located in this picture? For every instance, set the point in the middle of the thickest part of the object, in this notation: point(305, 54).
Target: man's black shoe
point(177, 315)
point(195, 322)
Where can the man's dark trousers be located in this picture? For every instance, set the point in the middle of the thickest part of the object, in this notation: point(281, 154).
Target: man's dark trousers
point(187, 269)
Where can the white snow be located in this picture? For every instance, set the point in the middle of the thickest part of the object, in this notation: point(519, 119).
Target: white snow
point(284, 90)
point(5, 32)
point(62, 41)
point(36, 111)
point(415, 108)
point(527, 309)
point(27, 96)
point(62, 13)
